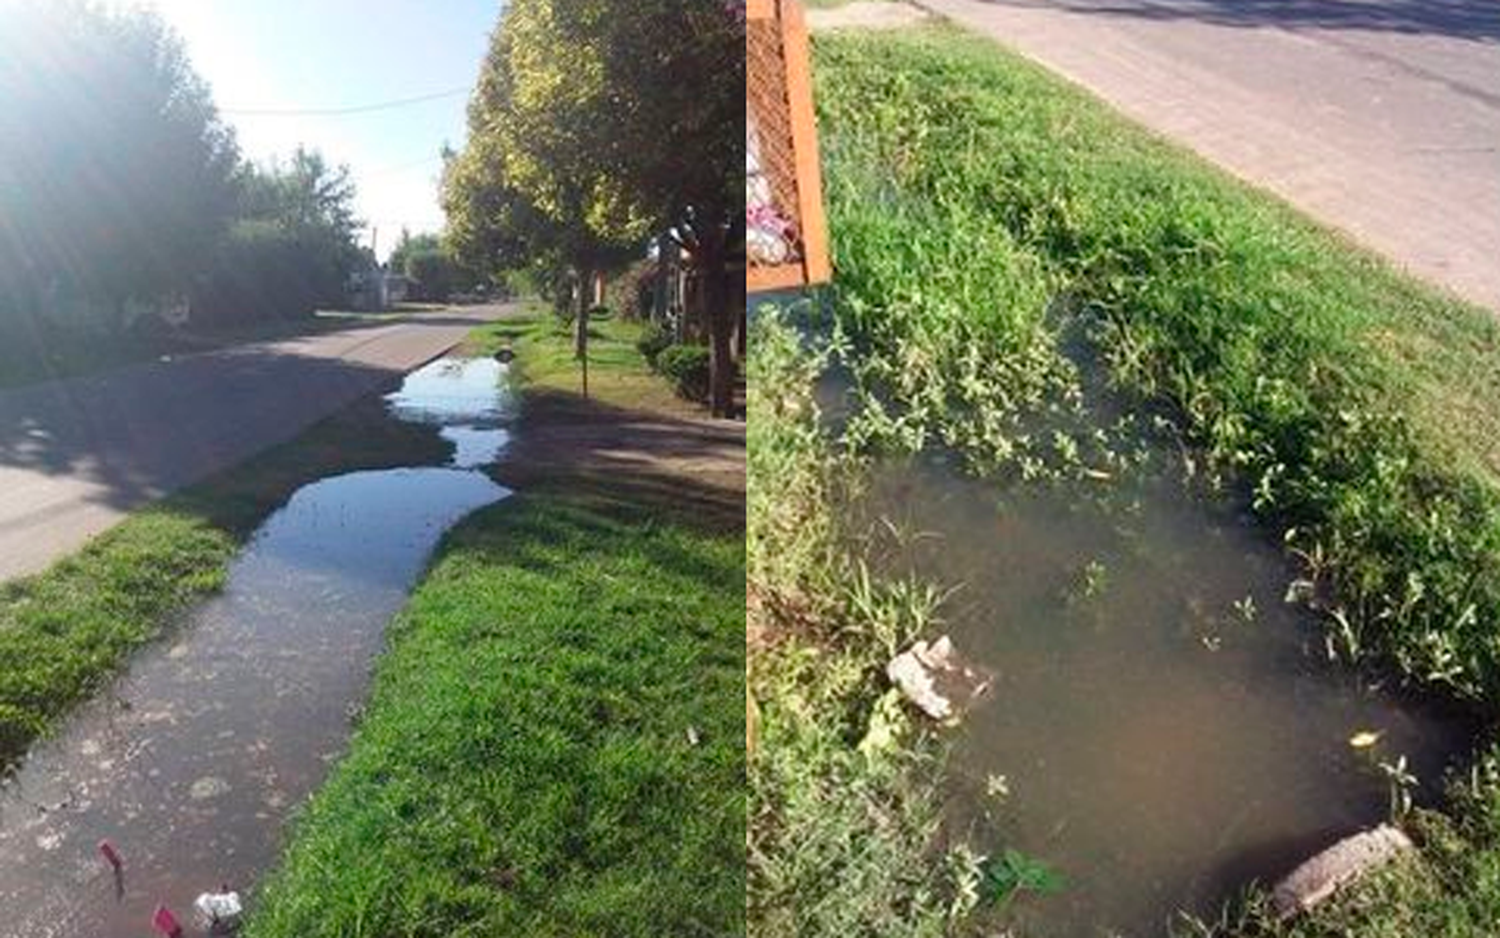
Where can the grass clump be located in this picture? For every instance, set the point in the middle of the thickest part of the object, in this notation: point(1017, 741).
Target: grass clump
point(844, 804)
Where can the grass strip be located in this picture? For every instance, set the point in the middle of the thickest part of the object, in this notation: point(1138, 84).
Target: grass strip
point(553, 745)
point(844, 788)
point(545, 361)
point(980, 208)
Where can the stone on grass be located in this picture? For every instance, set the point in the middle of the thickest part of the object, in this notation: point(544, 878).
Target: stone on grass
point(1338, 866)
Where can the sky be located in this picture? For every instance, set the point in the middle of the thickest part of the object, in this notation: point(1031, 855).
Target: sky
point(300, 55)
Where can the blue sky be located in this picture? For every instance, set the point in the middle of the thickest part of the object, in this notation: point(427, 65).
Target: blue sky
point(321, 54)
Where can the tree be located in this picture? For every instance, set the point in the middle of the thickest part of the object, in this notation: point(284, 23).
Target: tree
point(676, 74)
point(534, 184)
point(291, 248)
point(116, 175)
point(609, 121)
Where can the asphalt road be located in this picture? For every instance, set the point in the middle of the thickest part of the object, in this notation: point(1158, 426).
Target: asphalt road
point(1379, 117)
point(77, 455)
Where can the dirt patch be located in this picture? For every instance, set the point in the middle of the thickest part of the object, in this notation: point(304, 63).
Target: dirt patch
point(866, 14)
point(688, 464)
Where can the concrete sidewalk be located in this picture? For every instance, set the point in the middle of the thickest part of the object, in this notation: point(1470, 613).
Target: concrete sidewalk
point(77, 455)
point(1378, 117)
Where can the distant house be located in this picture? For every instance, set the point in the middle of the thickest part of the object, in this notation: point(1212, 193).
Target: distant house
point(377, 288)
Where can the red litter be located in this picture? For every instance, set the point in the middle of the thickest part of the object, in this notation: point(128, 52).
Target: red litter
point(110, 854)
point(166, 923)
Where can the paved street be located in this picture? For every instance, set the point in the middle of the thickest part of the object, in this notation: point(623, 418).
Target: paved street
point(77, 455)
point(1380, 117)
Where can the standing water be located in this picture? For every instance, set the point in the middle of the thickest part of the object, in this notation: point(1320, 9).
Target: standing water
point(1163, 728)
point(193, 758)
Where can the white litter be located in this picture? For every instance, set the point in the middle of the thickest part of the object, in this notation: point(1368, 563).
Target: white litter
point(219, 912)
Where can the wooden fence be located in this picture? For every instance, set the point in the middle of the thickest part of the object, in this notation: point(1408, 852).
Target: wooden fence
point(786, 242)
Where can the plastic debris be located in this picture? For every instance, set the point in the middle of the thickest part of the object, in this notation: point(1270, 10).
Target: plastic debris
point(936, 680)
point(110, 854)
point(166, 923)
point(219, 912)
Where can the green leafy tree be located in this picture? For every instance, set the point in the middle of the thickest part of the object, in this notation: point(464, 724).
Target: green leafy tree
point(597, 123)
point(535, 184)
point(292, 247)
point(116, 175)
point(675, 70)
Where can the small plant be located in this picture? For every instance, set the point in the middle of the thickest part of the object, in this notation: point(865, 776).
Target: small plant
point(687, 367)
point(1402, 783)
point(1012, 872)
point(1245, 609)
point(652, 343)
point(1095, 579)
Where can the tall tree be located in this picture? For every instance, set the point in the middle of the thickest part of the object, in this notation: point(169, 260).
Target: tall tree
point(609, 121)
point(116, 175)
point(676, 74)
point(534, 181)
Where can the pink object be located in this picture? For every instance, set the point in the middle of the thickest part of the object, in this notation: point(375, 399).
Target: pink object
point(108, 851)
point(166, 923)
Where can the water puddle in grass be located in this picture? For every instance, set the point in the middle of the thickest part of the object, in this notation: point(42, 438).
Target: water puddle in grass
point(191, 761)
point(1167, 727)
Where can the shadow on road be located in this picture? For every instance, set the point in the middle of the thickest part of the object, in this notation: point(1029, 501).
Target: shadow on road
point(1476, 20)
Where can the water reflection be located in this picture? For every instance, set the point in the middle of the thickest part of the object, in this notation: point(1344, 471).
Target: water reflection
point(1166, 725)
point(193, 758)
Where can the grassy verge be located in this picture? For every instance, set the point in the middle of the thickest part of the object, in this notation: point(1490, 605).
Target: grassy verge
point(844, 804)
point(1005, 245)
point(554, 743)
point(63, 632)
point(545, 362)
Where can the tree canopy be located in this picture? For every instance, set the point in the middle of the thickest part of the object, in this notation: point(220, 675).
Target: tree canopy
point(116, 174)
point(597, 124)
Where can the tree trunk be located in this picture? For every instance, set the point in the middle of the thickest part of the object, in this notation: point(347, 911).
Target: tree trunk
point(719, 320)
point(581, 325)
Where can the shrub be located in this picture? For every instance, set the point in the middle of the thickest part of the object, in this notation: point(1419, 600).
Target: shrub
point(687, 367)
point(653, 342)
point(263, 271)
point(434, 274)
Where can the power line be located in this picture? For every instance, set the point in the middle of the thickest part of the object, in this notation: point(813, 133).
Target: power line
point(335, 111)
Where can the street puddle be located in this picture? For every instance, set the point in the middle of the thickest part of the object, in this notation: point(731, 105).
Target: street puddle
point(191, 761)
point(1163, 728)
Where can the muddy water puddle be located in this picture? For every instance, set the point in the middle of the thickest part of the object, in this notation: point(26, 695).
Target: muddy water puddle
point(1164, 728)
point(192, 759)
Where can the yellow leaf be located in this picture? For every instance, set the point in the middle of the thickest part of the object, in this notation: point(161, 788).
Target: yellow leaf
point(1364, 739)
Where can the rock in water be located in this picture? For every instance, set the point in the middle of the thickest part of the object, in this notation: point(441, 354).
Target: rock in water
point(936, 680)
point(1336, 867)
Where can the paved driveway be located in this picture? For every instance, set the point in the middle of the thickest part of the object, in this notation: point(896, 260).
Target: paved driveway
point(1380, 117)
point(77, 455)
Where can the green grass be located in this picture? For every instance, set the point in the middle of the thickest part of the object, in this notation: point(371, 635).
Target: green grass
point(844, 788)
point(65, 631)
point(545, 361)
point(1007, 248)
point(553, 745)
point(524, 766)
